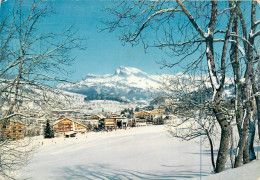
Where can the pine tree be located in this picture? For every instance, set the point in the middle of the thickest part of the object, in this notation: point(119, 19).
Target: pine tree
point(137, 109)
point(48, 131)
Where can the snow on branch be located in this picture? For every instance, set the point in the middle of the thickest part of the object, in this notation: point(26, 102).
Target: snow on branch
point(238, 36)
point(213, 78)
point(181, 44)
point(257, 23)
point(224, 10)
point(242, 51)
point(144, 25)
point(256, 34)
point(10, 116)
point(243, 39)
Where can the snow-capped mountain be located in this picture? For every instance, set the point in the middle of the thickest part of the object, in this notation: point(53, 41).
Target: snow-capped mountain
point(127, 83)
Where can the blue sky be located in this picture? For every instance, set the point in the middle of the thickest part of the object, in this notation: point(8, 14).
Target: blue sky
point(104, 51)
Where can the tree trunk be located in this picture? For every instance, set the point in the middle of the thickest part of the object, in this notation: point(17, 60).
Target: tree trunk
point(232, 148)
point(258, 116)
point(258, 110)
point(251, 138)
point(211, 151)
point(240, 150)
point(243, 139)
point(224, 146)
point(246, 154)
point(225, 132)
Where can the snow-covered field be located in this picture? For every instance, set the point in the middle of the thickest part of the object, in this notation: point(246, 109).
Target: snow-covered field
point(136, 153)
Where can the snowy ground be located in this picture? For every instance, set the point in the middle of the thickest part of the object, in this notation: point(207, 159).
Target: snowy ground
point(136, 153)
point(249, 171)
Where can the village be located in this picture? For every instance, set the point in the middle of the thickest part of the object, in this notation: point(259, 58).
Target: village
point(69, 123)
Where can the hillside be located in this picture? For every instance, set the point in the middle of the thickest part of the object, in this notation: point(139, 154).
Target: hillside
point(129, 84)
point(126, 84)
point(136, 153)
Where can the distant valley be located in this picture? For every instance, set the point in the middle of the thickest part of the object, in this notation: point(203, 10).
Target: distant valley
point(131, 85)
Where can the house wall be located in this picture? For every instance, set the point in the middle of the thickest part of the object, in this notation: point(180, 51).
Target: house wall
point(67, 125)
point(63, 126)
point(109, 123)
point(13, 130)
point(139, 124)
point(92, 122)
point(79, 126)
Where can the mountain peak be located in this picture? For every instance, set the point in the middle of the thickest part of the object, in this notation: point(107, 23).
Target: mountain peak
point(128, 71)
point(126, 83)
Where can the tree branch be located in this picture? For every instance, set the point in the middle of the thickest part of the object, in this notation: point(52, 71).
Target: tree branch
point(192, 20)
point(144, 25)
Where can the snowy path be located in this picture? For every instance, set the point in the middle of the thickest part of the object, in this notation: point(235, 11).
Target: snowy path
point(136, 153)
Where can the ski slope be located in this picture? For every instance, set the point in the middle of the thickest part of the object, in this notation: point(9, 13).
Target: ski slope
point(136, 153)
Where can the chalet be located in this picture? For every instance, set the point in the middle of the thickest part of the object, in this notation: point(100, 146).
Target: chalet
point(140, 122)
point(65, 126)
point(114, 116)
point(97, 117)
point(122, 122)
point(142, 115)
point(12, 130)
point(114, 123)
point(156, 112)
point(109, 123)
point(91, 122)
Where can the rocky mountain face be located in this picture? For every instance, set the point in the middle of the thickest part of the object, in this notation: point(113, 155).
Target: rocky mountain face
point(129, 84)
point(125, 85)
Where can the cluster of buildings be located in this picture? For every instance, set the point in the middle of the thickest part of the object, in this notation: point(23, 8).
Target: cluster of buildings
point(70, 122)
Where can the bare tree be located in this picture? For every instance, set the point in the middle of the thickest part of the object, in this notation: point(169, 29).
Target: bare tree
point(200, 27)
point(245, 81)
point(28, 58)
point(192, 102)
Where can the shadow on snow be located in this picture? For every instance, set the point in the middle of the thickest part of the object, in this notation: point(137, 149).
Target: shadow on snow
point(101, 171)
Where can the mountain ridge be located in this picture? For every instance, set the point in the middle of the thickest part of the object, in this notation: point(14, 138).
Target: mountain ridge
point(128, 83)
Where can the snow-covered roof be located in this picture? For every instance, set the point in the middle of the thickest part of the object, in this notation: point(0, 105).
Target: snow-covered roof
point(56, 122)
